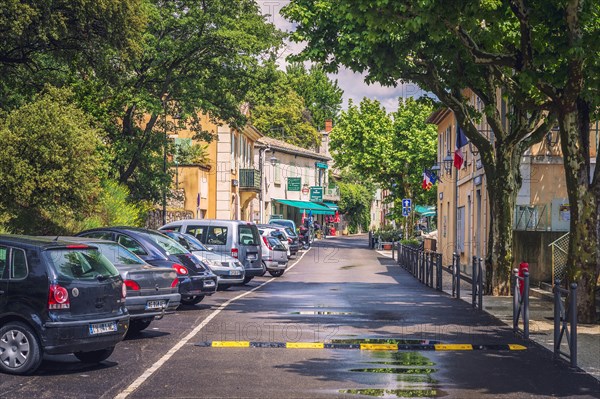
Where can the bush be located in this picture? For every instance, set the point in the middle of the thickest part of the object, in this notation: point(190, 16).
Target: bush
point(388, 234)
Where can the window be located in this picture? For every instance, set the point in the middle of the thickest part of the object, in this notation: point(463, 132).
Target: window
point(117, 254)
point(3, 258)
point(18, 264)
point(170, 246)
point(217, 235)
point(196, 231)
point(460, 229)
point(247, 236)
point(87, 264)
point(131, 245)
point(277, 174)
point(103, 235)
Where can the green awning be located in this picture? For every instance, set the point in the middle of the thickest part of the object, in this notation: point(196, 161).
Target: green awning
point(331, 205)
point(305, 206)
point(425, 211)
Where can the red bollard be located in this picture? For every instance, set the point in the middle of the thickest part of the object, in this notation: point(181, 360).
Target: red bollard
point(523, 267)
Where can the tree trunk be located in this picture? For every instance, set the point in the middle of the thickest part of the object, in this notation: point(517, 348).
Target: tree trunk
point(583, 258)
point(503, 186)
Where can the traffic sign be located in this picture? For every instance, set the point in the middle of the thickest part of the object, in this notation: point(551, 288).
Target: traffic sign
point(406, 203)
point(406, 212)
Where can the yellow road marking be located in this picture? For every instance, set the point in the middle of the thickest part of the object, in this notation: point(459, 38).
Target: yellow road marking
point(515, 347)
point(378, 347)
point(231, 344)
point(305, 345)
point(453, 347)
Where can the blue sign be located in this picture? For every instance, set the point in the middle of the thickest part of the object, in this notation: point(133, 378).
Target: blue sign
point(406, 203)
point(406, 212)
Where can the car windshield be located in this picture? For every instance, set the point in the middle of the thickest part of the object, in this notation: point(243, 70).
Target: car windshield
point(290, 232)
point(81, 264)
point(171, 246)
point(117, 254)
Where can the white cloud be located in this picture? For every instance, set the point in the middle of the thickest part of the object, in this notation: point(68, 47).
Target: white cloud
point(353, 84)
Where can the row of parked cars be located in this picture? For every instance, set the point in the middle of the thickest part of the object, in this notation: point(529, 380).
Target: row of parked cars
point(83, 294)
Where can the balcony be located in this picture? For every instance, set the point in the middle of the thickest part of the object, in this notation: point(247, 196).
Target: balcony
point(331, 193)
point(250, 180)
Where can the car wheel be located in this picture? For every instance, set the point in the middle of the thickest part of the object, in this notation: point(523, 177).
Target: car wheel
point(247, 279)
point(264, 266)
point(138, 325)
point(192, 300)
point(20, 351)
point(276, 273)
point(95, 356)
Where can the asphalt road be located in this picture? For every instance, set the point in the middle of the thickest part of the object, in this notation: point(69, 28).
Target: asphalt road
point(339, 291)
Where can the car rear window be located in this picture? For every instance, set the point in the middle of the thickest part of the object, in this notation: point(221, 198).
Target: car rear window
point(3, 259)
point(248, 235)
point(81, 264)
point(117, 254)
point(276, 244)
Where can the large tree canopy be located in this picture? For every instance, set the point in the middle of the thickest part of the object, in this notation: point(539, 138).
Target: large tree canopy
point(535, 53)
point(50, 165)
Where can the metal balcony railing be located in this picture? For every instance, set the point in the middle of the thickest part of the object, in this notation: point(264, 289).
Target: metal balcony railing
point(250, 179)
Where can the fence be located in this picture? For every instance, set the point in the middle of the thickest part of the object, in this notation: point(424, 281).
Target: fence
point(521, 301)
point(562, 319)
point(424, 265)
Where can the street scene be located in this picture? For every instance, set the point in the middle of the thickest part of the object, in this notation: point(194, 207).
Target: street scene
point(299, 199)
point(338, 292)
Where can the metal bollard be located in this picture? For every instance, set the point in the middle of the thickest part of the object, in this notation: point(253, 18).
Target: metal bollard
point(458, 276)
point(526, 307)
point(439, 272)
point(393, 247)
point(480, 284)
point(573, 314)
point(474, 285)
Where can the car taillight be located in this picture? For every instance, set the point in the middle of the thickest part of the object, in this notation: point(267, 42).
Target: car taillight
point(132, 285)
point(175, 283)
point(290, 240)
point(124, 289)
point(267, 243)
point(234, 252)
point(58, 297)
point(180, 269)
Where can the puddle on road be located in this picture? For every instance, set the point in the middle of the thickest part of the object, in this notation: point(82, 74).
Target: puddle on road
point(395, 393)
point(413, 375)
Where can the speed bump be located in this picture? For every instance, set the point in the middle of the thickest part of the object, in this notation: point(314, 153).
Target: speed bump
point(363, 346)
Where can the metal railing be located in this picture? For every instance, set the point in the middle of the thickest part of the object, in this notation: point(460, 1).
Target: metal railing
point(521, 302)
point(562, 319)
point(426, 266)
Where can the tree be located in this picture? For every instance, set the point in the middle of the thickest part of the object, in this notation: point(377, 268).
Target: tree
point(355, 205)
point(322, 96)
point(47, 41)
point(391, 149)
point(393, 41)
point(196, 57)
point(50, 165)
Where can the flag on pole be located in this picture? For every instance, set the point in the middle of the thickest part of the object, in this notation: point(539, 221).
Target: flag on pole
point(429, 179)
point(461, 141)
point(303, 215)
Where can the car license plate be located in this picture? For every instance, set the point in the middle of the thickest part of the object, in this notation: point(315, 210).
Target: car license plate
point(251, 256)
point(234, 272)
point(101, 328)
point(160, 304)
point(209, 283)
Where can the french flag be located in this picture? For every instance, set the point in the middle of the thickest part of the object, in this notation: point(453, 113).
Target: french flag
point(461, 141)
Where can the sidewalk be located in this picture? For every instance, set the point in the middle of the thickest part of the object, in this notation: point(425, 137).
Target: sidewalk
point(541, 324)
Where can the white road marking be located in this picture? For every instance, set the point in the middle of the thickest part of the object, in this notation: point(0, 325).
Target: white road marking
point(151, 370)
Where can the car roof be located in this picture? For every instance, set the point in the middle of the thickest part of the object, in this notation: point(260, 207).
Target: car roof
point(138, 234)
point(44, 242)
point(207, 221)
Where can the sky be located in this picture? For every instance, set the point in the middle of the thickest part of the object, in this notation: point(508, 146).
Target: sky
point(351, 83)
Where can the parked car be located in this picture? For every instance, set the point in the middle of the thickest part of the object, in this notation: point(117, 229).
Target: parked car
point(152, 291)
point(290, 240)
point(276, 233)
point(57, 297)
point(228, 269)
point(274, 256)
point(237, 238)
point(195, 280)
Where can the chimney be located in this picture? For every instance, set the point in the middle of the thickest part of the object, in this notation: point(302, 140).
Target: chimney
point(328, 125)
